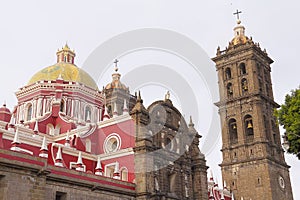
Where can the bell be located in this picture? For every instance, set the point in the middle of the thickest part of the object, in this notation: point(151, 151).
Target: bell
point(245, 87)
point(249, 125)
point(234, 127)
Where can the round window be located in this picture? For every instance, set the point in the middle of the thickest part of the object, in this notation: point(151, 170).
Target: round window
point(281, 182)
point(112, 143)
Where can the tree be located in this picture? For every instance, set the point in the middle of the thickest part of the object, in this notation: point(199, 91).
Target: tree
point(289, 116)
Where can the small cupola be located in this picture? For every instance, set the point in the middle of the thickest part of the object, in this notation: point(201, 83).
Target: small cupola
point(65, 55)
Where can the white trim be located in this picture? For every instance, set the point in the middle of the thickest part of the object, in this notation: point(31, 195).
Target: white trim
point(111, 137)
point(115, 120)
point(109, 165)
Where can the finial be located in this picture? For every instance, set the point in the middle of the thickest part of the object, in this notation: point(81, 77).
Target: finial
point(98, 169)
point(237, 13)
point(4, 104)
point(44, 144)
point(66, 45)
point(44, 149)
point(167, 96)
point(60, 77)
point(139, 96)
point(116, 65)
point(116, 174)
point(191, 121)
point(36, 127)
point(79, 159)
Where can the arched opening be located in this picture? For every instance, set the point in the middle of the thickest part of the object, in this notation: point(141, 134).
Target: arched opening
point(50, 129)
point(244, 84)
point(88, 114)
point(249, 128)
point(260, 85)
point(227, 73)
point(233, 136)
point(57, 129)
point(62, 106)
point(267, 131)
point(124, 174)
point(229, 90)
point(168, 143)
point(172, 182)
point(243, 70)
point(29, 112)
point(88, 145)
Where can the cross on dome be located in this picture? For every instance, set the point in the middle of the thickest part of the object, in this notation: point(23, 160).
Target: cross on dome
point(116, 65)
point(237, 13)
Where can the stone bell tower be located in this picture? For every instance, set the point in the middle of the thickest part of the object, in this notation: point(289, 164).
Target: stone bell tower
point(253, 160)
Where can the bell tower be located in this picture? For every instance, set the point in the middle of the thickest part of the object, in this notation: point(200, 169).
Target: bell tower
point(253, 163)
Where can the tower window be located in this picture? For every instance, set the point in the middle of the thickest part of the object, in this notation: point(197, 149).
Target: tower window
point(233, 136)
point(124, 174)
point(244, 85)
point(266, 125)
point(228, 73)
point(62, 106)
point(88, 113)
point(229, 90)
point(260, 85)
point(249, 127)
point(242, 67)
point(267, 89)
point(29, 112)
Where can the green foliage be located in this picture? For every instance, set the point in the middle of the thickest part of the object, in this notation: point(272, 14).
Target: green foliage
point(289, 116)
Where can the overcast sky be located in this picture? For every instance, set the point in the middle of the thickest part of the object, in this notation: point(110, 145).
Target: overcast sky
point(32, 31)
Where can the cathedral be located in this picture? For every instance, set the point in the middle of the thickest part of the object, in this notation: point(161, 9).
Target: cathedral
point(66, 139)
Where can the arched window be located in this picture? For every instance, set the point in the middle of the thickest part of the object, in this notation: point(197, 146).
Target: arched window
point(227, 73)
point(88, 145)
point(172, 182)
point(267, 131)
point(57, 129)
point(260, 85)
point(229, 90)
point(233, 136)
point(88, 114)
point(50, 129)
point(168, 143)
point(62, 106)
point(249, 127)
point(267, 89)
point(242, 67)
point(244, 83)
point(29, 112)
point(124, 174)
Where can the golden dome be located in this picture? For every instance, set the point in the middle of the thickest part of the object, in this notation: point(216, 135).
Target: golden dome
point(67, 71)
point(116, 83)
point(241, 39)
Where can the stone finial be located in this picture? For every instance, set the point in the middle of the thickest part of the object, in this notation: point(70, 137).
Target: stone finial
point(125, 107)
point(106, 115)
point(115, 112)
point(116, 174)
point(36, 127)
point(79, 163)
point(44, 149)
point(98, 169)
point(58, 158)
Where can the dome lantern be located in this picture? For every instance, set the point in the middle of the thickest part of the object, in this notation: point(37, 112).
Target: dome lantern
point(65, 55)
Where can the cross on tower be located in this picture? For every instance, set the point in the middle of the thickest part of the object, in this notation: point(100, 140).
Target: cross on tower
point(237, 13)
point(116, 64)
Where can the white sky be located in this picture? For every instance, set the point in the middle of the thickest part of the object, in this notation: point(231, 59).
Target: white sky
point(32, 31)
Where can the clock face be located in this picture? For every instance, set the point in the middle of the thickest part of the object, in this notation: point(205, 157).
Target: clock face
point(281, 182)
point(112, 143)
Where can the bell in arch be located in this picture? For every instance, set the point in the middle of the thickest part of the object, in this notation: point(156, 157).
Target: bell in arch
point(249, 125)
